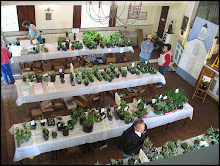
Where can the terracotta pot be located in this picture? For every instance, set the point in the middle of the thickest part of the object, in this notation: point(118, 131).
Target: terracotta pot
point(73, 48)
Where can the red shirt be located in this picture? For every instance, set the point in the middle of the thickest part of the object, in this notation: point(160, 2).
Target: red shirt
point(167, 58)
point(5, 54)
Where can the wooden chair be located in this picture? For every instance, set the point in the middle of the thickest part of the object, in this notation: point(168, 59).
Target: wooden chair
point(200, 93)
point(216, 62)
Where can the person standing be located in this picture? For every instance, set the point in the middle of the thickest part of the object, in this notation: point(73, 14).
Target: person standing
point(146, 49)
point(164, 61)
point(5, 66)
point(132, 139)
point(33, 32)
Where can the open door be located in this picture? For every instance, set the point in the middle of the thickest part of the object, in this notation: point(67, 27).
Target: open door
point(162, 23)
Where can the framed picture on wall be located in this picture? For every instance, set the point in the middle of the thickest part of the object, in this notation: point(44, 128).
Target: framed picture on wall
point(133, 12)
point(185, 22)
point(142, 16)
point(48, 16)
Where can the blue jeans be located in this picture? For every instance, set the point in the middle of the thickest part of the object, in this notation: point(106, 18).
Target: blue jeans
point(126, 156)
point(39, 39)
point(162, 70)
point(6, 70)
point(143, 60)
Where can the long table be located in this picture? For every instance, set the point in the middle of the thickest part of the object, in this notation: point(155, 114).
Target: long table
point(101, 131)
point(53, 53)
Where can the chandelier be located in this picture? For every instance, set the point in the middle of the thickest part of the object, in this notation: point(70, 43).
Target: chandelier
point(99, 16)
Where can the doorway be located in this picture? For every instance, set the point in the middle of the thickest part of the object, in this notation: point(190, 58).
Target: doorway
point(162, 23)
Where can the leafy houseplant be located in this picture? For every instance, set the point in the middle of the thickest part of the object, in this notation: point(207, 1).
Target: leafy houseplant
point(86, 82)
point(50, 121)
point(113, 162)
point(60, 125)
point(88, 124)
point(120, 161)
point(127, 119)
point(147, 142)
point(53, 76)
point(42, 122)
point(131, 160)
point(54, 134)
point(65, 130)
point(39, 78)
point(24, 78)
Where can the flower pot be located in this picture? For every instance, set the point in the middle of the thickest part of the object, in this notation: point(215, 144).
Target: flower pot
point(124, 75)
point(58, 48)
point(87, 83)
point(72, 48)
point(65, 131)
point(145, 115)
point(52, 79)
point(34, 126)
point(117, 75)
point(87, 129)
point(45, 132)
point(61, 75)
point(39, 80)
point(30, 83)
point(157, 112)
point(69, 122)
point(24, 79)
point(54, 135)
point(62, 81)
point(46, 79)
point(46, 137)
point(72, 82)
point(59, 126)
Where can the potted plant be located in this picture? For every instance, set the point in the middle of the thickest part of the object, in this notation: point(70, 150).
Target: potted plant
point(39, 78)
point(33, 125)
point(53, 76)
point(97, 163)
point(45, 78)
point(60, 125)
point(127, 119)
point(120, 161)
point(113, 162)
point(65, 130)
point(45, 133)
point(203, 85)
point(59, 44)
point(30, 75)
point(31, 82)
point(82, 118)
point(131, 160)
point(86, 82)
point(72, 123)
point(24, 78)
point(73, 46)
point(59, 117)
point(147, 143)
point(54, 134)
point(124, 73)
point(88, 124)
point(42, 120)
point(50, 121)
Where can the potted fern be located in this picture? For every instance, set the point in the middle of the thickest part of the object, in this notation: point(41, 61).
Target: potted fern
point(88, 124)
point(53, 77)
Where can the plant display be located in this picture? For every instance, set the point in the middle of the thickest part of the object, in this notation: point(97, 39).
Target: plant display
point(88, 123)
point(50, 121)
point(45, 133)
point(152, 154)
point(169, 149)
point(91, 39)
point(213, 135)
point(77, 44)
point(41, 120)
point(145, 68)
point(54, 134)
point(131, 160)
point(22, 134)
point(147, 142)
point(53, 76)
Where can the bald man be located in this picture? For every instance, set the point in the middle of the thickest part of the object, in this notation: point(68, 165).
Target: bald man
point(133, 138)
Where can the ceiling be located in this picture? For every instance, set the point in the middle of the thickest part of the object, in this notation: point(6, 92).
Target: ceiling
point(119, 3)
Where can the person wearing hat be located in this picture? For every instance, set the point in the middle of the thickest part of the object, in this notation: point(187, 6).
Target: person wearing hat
point(33, 33)
point(146, 49)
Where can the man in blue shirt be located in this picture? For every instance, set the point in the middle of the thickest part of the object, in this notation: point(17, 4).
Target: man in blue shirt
point(32, 31)
point(146, 49)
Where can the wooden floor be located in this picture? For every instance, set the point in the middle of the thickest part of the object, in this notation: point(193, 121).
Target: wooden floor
point(205, 115)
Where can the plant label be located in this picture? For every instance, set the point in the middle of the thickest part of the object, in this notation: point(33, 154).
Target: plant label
point(119, 107)
point(32, 122)
point(102, 110)
point(146, 62)
point(135, 102)
point(109, 50)
point(45, 75)
point(132, 64)
point(60, 70)
point(177, 90)
point(154, 100)
point(129, 47)
point(143, 158)
point(206, 79)
point(160, 96)
point(126, 108)
point(75, 30)
point(165, 97)
point(44, 120)
point(139, 101)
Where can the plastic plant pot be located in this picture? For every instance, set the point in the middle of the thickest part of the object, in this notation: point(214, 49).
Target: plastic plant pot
point(145, 115)
point(87, 129)
point(46, 79)
point(52, 79)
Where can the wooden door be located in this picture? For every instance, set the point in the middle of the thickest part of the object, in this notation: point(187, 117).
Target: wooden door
point(162, 23)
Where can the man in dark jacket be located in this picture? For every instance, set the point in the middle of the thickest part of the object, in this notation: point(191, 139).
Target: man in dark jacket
point(133, 138)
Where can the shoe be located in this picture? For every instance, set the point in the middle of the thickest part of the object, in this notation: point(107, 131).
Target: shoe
point(13, 82)
point(158, 86)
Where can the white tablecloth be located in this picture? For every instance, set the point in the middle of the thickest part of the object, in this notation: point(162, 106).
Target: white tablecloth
point(53, 53)
point(101, 131)
point(67, 90)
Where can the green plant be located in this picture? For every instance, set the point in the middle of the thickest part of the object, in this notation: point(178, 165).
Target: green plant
point(24, 78)
point(131, 160)
point(32, 79)
point(98, 163)
point(59, 117)
point(147, 142)
point(113, 162)
point(89, 121)
point(30, 75)
point(74, 121)
point(53, 74)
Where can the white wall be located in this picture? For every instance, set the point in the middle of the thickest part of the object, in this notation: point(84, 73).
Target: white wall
point(62, 17)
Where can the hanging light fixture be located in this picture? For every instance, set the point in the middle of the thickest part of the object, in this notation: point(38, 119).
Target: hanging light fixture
point(99, 16)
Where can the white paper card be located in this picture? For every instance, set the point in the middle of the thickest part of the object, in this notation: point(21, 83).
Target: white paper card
point(146, 62)
point(25, 93)
point(51, 88)
point(139, 101)
point(135, 102)
point(177, 90)
point(165, 97)
point(119, 107)
point(206, 79)
point(60, 70)
point(109, 49)
point(38, 91)
point(143, 158)
point(160, 96)
point(126, 108)
point(153, 100)
point(75, 30)
point(25, 43)
point(50, 83)
point(132, 64)
point(44, 120)
point(102, 110)
point(129, 47)
point(32, 122)
point(121, 49)
point(117, 99)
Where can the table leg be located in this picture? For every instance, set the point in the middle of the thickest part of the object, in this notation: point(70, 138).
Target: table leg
point(90, 100)
point(54, 155)
point(152, 88)
point(20, 68)
point(103, 98)
point(28, 110)
point(185, 122)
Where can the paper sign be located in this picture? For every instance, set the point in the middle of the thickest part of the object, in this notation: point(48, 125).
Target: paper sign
point(135, 102)
point(132, 64)
point(44, 120)
point(32, 122)
point(37, 85)
point(121, 49)
point(51, 88)
point(25, 88)
point(117, 99)
point(25, 93)
point(153, 100)
point(139, 101)
point(146, 62)
point(126, 108)
point(119, 107)
point(160, 96)
point(206, 79)
point(109, 49)
point(165, 97)
point(38, 91)
point(102, 110)
point(75, 30)
point(50, 83)
point(25, 43)
point(143, 158)
point(129, 47)
point(60, 70)
point(177, 90)
point(34, 41)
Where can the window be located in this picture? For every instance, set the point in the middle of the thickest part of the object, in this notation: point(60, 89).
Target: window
point(9, 18)
point(86, 20)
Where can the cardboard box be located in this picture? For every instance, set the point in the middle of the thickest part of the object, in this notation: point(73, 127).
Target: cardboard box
point(69, 103)
point(58, 103)
point(109, 58)
point(36, 112)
